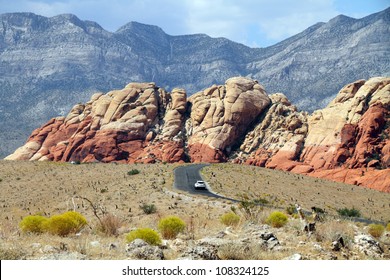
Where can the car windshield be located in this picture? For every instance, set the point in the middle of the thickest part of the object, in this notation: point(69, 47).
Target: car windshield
point(200, 182)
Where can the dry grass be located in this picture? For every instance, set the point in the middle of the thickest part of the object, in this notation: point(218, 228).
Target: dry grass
point(284, 188)
point(48, 188)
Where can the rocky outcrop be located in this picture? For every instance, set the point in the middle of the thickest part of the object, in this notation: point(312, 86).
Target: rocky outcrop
point(278, 138)
point(140, 123)
point(220, 115)
point(347, 141)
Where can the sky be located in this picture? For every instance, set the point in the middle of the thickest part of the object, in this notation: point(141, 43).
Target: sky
point(256, 23)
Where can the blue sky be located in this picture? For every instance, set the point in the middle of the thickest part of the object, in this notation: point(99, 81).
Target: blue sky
point(257, 23)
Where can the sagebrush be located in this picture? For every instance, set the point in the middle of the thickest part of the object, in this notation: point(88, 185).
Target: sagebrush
point(376, 230)
point(277, 219)
point(34, 224)
point(62, 224)
point(171, 226)
point(346, 212)
point(146, 234)
point(230, 219)
point(148, 208)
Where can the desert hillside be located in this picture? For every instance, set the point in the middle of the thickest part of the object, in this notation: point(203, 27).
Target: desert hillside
point(52, 188)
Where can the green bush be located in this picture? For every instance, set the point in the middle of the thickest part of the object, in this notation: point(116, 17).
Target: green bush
point(277, 219)
point(230, 219)
point(148, 208)
point(345, 212)
point(133, 172)
point(376, 230)
point(260, 200)
point(146, 234)
point(33, 224)
point(65, 224)
point(171, 226)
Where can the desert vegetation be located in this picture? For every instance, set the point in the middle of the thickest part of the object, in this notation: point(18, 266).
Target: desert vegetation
point(146, 234)
point(177, 225)
point(283, 189)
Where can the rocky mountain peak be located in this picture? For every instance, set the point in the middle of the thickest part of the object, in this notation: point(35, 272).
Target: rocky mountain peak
point(139, 28)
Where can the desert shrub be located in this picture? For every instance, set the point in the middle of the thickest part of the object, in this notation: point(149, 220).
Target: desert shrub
point(277, 219)
point(146, 234)
point(65, 224)
point(388, 227)
point(249, 208)
point(260, 200)
point(12, 254)
point(376, 230)
point(345, 212)
point(332, 229)
point(318, 210)
point(230, 219)
point(77, 218)
point(110, 224)
point(291, 209)
point(33, 224)
point(133, 172)
point(171, 226)
point(148, 208)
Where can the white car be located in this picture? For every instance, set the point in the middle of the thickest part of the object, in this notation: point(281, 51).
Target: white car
point(200, 185)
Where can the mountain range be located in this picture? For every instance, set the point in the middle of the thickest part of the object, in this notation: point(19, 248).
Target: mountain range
point(49, 64)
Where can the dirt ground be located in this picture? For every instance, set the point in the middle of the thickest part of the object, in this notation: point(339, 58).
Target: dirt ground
point(281, 188)
point(49, 188)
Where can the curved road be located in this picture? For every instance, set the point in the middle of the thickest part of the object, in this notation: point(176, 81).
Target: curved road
point(186, 177)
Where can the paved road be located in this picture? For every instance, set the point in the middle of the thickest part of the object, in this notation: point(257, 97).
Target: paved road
point(186, 177)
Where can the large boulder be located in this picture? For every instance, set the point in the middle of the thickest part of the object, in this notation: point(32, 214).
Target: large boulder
point(221, 115)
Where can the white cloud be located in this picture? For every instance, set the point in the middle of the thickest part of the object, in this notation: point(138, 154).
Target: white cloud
point(274, 19)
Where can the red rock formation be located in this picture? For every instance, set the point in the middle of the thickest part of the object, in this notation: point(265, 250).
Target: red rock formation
point(220, 115)
point(348, 141)
point(140, 123)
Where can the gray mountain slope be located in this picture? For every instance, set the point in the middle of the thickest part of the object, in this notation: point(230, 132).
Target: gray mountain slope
point(49, 64)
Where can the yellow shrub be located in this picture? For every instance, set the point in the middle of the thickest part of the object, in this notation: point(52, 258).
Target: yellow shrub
point(64, 224)
point(33, 224)
point(146, 234)
point(376, 230)
point(230, 219)
point(388, 227)
point(77, 218)
point(171, 226)
point(277, 219)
